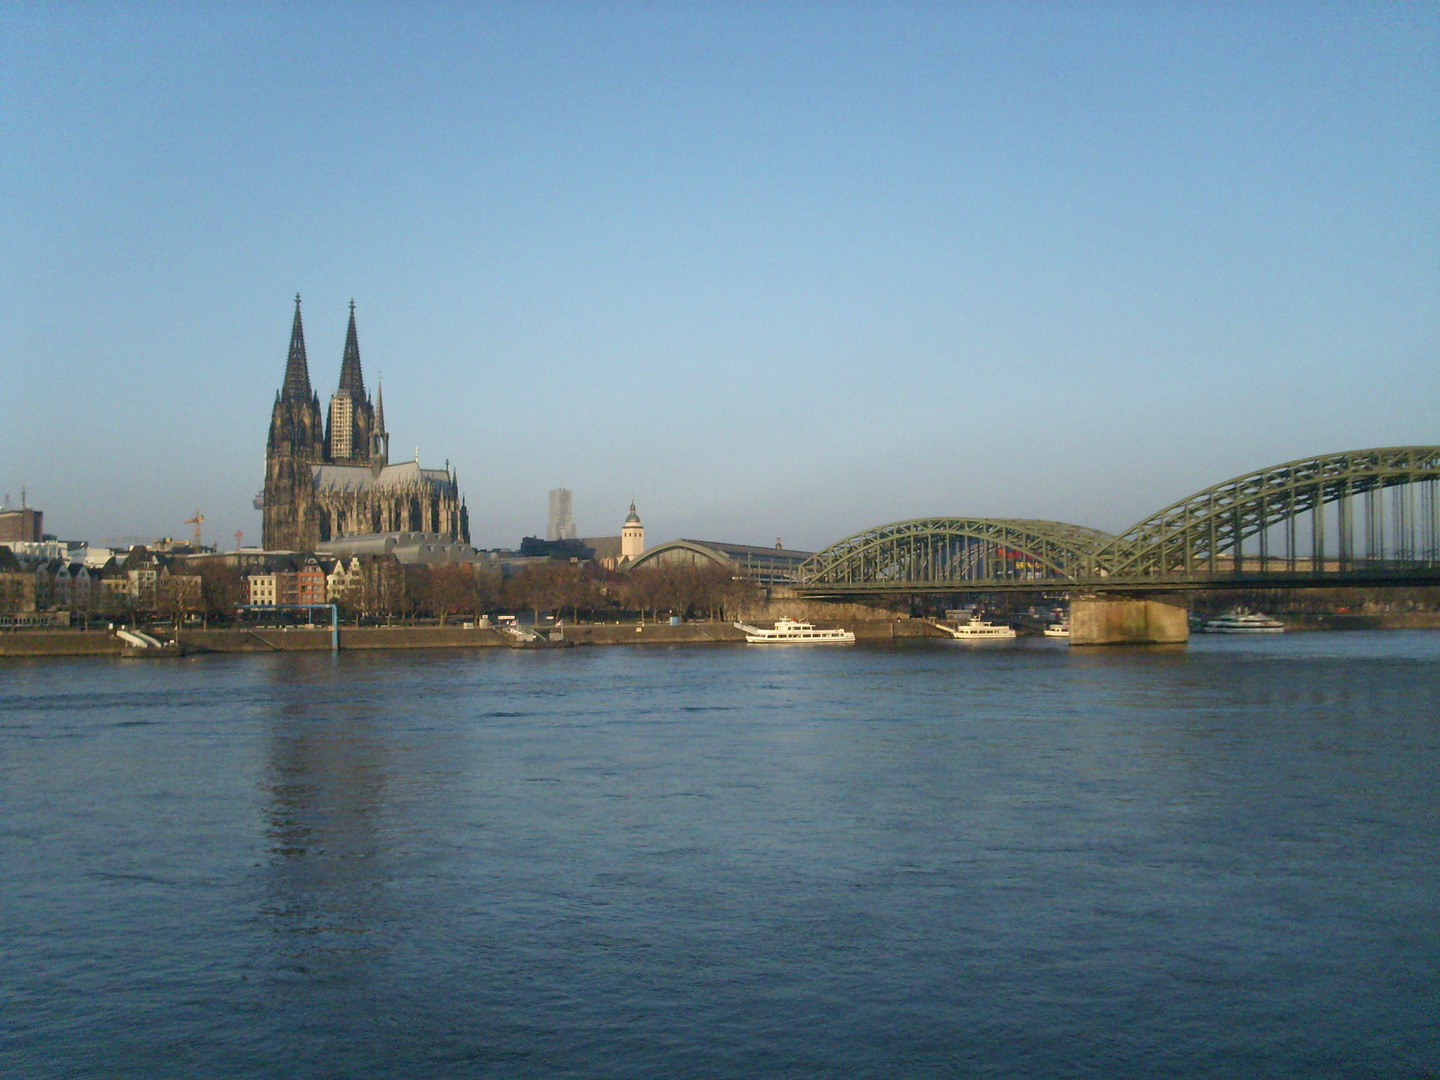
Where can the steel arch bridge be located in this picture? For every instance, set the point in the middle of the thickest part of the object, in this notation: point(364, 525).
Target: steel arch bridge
point(943, 554)
point(1322, 515)
point(1362, 517)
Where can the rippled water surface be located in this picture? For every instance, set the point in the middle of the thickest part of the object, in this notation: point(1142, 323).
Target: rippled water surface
point(1023, 860)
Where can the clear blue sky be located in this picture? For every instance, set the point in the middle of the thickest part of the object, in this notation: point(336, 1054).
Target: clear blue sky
point(773, 269)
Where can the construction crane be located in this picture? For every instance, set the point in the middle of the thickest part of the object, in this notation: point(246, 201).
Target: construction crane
point(238, 534)
point(196, 521)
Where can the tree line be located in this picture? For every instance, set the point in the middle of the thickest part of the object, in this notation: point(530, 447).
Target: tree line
point(388, 591)
point(584, 591)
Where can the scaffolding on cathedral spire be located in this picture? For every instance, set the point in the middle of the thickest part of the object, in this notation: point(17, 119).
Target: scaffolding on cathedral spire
point(352, 417)
point(297, 371)
point(351, 378)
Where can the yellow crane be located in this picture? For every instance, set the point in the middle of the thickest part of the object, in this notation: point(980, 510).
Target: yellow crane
point(197, 520)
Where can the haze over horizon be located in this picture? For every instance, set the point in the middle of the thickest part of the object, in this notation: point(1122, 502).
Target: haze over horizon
point(787, 270)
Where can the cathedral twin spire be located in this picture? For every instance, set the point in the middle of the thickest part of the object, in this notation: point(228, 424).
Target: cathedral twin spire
point(351, 380)
point(306, 500)
point(297, 371)
point(355, 431)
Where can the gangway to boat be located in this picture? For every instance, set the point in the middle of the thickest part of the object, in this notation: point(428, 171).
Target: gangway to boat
point(137, 639)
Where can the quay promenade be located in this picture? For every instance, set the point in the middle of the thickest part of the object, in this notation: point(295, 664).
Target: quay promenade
point(37, 643)
point(20, 643)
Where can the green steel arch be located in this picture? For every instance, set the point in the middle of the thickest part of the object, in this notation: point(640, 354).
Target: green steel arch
point(1353, 517)
point(952, 553)
point(1319, 515)
point(689, 550)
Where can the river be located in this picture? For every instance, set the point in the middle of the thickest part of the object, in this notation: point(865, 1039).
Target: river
point(1019, 860)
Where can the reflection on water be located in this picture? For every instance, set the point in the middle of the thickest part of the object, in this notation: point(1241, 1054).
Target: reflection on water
point(326, 787)
point(1220, 860)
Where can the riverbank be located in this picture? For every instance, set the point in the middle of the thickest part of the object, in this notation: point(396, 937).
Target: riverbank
point(1394, 620)
point(63, 642)
point(700, 632)
point(67, 642)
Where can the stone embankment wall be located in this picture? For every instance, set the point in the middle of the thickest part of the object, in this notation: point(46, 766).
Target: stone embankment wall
point(362, 637)
point(104, 643)
point(60, 643)
point(782, 603)
point(296, 639)
point(23, 643)
point(702, 632)
point(1395, 620)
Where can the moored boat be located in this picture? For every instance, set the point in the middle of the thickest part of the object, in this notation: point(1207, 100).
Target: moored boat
point(1057, 629)
point(979, 630)
point(1242, 622)
point(794, 632)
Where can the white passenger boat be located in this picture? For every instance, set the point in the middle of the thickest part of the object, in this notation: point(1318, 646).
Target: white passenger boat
point(979, 630)
point(1057, 629)
point(1243, 622)
point(794, 632)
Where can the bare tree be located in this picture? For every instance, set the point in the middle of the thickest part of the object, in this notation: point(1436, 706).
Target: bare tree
point(116, 605)
point(220, 589)
point(452, 589)
point(547, 586)
point(677, 588)
point(378, 590)
point(682, 588)
point(715, 585)
point(178, 595)
point(415, 591)
point(586, 592)
point(490, 583)
point(522, 590)
point(642, 590)
point(12, 594)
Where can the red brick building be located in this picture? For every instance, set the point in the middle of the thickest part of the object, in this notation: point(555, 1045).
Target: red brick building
point(25, 525)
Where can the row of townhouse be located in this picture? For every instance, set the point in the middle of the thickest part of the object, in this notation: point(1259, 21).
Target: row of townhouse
point(145, 580)
point(285, 579)
point(140, 580)
point(364, 581)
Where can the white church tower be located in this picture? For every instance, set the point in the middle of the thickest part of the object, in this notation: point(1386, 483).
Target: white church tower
point(632, 536)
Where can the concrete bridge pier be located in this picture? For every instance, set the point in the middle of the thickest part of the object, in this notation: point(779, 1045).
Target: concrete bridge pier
point(1129, 620)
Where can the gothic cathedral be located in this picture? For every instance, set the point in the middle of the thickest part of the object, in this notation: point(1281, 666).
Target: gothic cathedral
point(327, 478)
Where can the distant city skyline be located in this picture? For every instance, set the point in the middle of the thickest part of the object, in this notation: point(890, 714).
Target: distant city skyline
point(780, 269)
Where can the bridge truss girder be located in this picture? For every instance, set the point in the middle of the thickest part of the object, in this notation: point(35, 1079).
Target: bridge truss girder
point(1198, 542)
point(1205, 534)
point(952, 555)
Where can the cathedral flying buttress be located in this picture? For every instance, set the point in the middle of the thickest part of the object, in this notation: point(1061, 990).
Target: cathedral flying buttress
point(330, 478)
